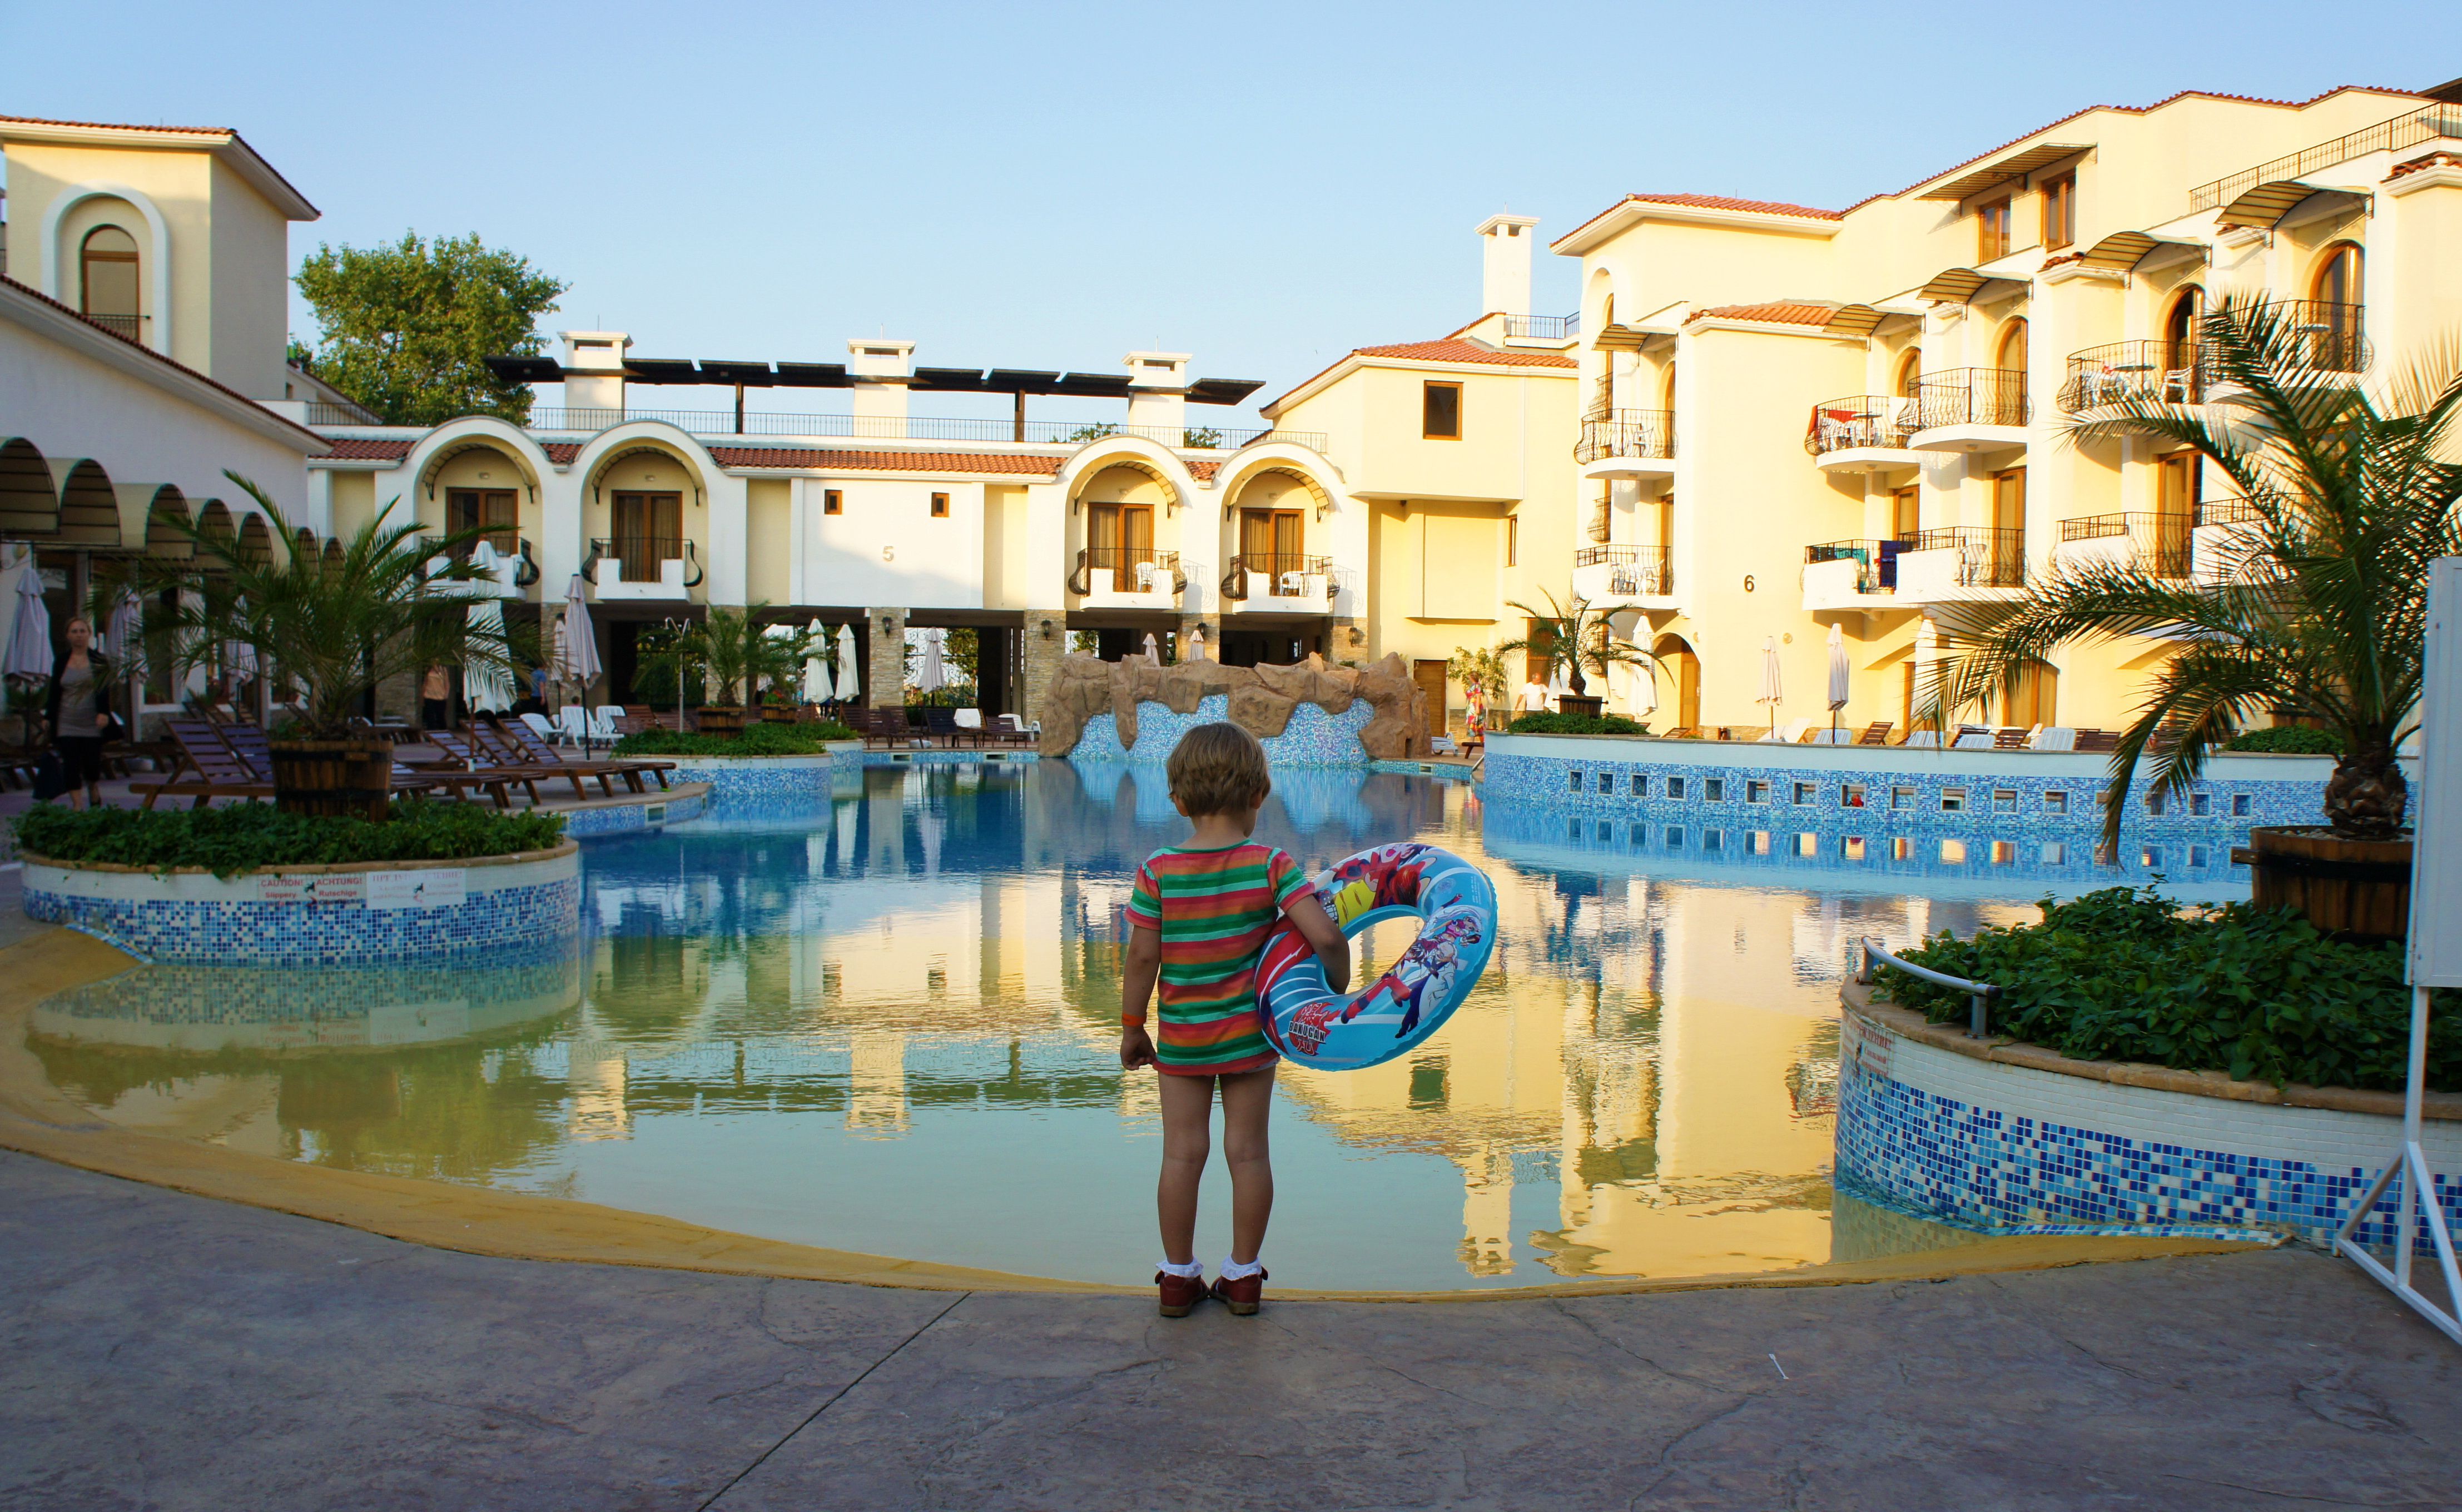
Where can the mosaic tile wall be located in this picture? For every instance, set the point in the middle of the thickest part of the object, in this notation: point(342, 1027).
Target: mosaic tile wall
point(1313, 738)
point(772, 777)
point(2006, 1147)
point(584, 824)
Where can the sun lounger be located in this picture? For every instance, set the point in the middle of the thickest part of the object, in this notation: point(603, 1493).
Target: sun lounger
point(255, 751)
point(1876, 733)
point(478, 769)
point(206, 768)
point(1922, 740)
point(526, 744)
point(1973, 738)
point(2093, 740)
point(2054, 738)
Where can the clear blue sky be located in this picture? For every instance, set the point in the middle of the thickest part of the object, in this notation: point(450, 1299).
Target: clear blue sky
point(1265, 185)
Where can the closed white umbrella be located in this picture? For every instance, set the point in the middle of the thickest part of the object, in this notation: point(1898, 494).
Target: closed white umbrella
point(1153, 652)
point(30, 637)
point(488, 689)
point(816, 664)
point(1772, 693)
point(577, 649)
point(850, 685)
point(1838, 673)
point(486, 559)
point(934, 674)
point(126, 640)
point(1196, 651)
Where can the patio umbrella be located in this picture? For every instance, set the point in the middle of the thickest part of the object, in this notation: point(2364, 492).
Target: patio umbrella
point(126, 640)
point(816, 664)
point(934, 674)
point(488, 689)
point(850, 685)
point(30, 637)
point(1772, 692)
point(577, 644)
point(1153, 652)
point(1196, 651)
point(1838, 671)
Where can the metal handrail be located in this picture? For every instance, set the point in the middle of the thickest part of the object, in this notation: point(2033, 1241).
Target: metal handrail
point(1876, 570)
point(2161, 541)
point(2232, 510)
point(645, 563)
point(1983, 993)
point(913, 428)
point(1626, 433)
point(1857, 421)
point(1988, 556)
point(2176, 372)
point(1634, 570)
point(1271, 566)
point(2385, 135)
point(2338, 338)
point(1122, 563)
point(1971, 396)
point(1542, 328)
point(133, 327)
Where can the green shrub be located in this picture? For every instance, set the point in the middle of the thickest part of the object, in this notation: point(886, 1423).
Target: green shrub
point(2296, 740)
point(763, 739)
point(242, 836)
point(1576, 725)
point(2128, 976)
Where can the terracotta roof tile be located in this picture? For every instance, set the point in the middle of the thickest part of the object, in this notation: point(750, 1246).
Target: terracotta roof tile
point(1780, 313)
point(561, 452)
point(116, 125)
point(368, 448)
point(1720, 202)
point(2432, 159)
point(1204, 471)
point(886, 461)
point(1450, 350)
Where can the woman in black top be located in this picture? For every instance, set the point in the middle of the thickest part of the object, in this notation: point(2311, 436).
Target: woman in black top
point(78, 709)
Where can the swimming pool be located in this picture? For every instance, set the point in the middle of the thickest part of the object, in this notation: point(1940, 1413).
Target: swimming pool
point(888, 1024)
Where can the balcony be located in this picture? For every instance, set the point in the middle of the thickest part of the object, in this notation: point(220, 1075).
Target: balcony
point(1542, 328)
point(133, 327)
point(1962, 562)
point(2153, 543)
point(2335, 334)
point(1970, 409)
point(1275, 582)
point(512, 571)
point(909, 427)
point(1861, 433)
point(648, 569)
point(1626, 444)
point(1128, 577)
point(1852, 574)
point(2226, 531)
point(1623, 576)
point(2171, 371)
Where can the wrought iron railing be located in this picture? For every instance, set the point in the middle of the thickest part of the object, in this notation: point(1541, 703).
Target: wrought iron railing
point(2337, 339)
point(2159, 543)
point(1542, 328)
point(914, 427)
point(1634, 571)
point(1988, 556)
point(1857, 421)
point(133, 327)
point(1134, 570)
point(1971, 396)
point(1286, 575)
point(325, 412)
point(1626, 433)
point(643, 558)
point(1876, 561)
point(2228, 510)
point(2177, 372)
point(2386, 136)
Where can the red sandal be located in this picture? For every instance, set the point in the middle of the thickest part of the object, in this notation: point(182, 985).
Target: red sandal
point(1180, 1293)
point(1242, 1295)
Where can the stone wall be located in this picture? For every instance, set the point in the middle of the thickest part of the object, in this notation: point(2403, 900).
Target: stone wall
point(1260, 699)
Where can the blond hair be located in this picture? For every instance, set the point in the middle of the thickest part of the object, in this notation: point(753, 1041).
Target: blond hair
point(1218, 769)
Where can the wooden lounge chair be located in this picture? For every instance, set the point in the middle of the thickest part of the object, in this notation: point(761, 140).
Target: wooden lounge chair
point(255, 752)
point(477, 769)
point(206, 768)
point(2011, 739)
point(2098, 740)
point(528, 743)
point(500, 748)
point(1876, 733)
point(942, 724)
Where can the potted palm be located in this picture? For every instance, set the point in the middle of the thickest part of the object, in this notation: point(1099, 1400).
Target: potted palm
point(741, 654)
point(2310, 599)
point(1578, 640)
point(336, 628)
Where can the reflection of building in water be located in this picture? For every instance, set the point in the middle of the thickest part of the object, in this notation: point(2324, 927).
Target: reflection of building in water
point(876, 1083)
point(594, 1073)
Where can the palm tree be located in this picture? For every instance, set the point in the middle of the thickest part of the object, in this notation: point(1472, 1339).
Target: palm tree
point(1576, 638)
point(2313, 601)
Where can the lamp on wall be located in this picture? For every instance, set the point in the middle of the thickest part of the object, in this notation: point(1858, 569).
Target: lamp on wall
point(1046, 630)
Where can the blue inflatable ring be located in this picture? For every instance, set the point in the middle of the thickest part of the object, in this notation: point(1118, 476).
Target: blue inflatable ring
point(1312, 1025)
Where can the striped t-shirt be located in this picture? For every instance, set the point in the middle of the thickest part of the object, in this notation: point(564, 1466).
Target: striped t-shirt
point(1214, 909)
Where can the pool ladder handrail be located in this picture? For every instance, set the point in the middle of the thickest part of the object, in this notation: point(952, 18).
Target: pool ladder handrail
point(1983, 993)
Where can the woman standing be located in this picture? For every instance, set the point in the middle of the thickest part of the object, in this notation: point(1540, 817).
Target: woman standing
point(78, 710)
point(436, 699)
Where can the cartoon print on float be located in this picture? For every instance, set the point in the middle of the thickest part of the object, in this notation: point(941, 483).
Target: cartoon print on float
point(1455, 905)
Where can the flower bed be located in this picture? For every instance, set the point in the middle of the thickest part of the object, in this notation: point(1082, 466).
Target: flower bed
point(245, 837)
point(1576, 725)
point(757, 739)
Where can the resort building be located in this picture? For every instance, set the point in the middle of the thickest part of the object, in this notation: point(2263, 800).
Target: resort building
point(1795, 418)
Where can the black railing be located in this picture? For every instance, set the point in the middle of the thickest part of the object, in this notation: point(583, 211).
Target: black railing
point(2159, 543)
point(1634, 571)
point(914, 427)
point(133, 327)
point(2174, 372)
point(2385, 135)
point(1626, 433)
point(1286, 574)
point(642, 558)
point(1971, 396)
point(1988, 556)
point(1542, 328)
point(2336, 336)
point(1876, 561)
point(1857, 421)
point(325, 412)
point(1134, 570)
point(2232, 510)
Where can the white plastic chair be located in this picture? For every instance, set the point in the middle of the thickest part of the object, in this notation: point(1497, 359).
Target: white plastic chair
point(1972, 738)
point(2054, 738)
point(572, 725)
point(1291, 585)
point(1922, 740)
point(1145, 577)
point(545, 728)
point(602, 723)
point(1441, 745)
point(1837, 737)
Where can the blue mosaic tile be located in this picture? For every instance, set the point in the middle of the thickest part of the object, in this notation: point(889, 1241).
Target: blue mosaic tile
point(1313, 738)
point(236, 932)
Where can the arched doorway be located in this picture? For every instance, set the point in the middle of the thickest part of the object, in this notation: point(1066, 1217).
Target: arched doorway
point(1684, 671)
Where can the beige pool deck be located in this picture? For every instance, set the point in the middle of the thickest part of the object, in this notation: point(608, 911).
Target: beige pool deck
point(187, 1326)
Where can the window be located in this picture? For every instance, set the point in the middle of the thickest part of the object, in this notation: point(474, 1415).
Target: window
point(1270, 544)
point(1850, 795)
point(2239, 805)
point(2007, 559)
point(1440, 412)
point(649, 530)
point(939, 505)
point(107, 279)
point(1714, 839)
point(2055, 853)
point(2338, 277)
point(1992, 230)
point(2013, 346)
point(2031, 696)
point(1806, 793)
point(1953, 853)
point(1906, 514)
point(2200, 805)
point(2334, 330)
point(1760, 842)
point(1713, 789)
point(1953, 800)
point(1902, 849)
point(2004, 800)
point(2179, 340)
point(1910, 374)
point(2060, 210)
point(1676, 837)
point(1852, 848)
point(1808, 844)
point(1902, 797)
point(1512, 540)
point(2154, 804)
point(2056, 802)
point(1676, 788)
point(1756, 792)
point(489, 510)
point(1607, 782)
point(833, 501)
point(1572, 782)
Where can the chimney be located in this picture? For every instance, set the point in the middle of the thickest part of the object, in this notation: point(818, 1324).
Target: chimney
point(1159, 391)
point(880, 368)
point(593, 368)
point(1504, 265)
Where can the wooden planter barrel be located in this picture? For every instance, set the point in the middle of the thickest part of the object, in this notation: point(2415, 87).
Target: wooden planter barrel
point(1579, 703)
point(779, 713)
point(720, 721)
point(2356, 889)
point(351, 776)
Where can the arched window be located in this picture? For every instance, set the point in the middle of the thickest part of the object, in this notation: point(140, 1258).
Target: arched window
point(2338, 277)
point(107, 279)
point(2333, 322)
point(1910, 373)
point(1667, 389)
point(2182, 382)
point(2013, 346)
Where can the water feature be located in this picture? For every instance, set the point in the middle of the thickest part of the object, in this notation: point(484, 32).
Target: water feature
point(888, 1024)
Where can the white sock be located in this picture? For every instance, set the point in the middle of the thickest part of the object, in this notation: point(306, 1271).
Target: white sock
point(1188, 1272)
point(1233, 1270)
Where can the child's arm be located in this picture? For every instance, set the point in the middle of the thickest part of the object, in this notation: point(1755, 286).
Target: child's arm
point(1317, 928)
point(1136, 987)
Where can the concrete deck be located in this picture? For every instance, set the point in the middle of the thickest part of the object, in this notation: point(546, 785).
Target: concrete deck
point(162, 1351)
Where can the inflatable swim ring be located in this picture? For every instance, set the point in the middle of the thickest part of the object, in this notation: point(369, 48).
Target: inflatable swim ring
point(1455, 903)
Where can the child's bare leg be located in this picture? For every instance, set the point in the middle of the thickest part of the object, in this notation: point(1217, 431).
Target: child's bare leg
point(1187, 1108)
point(1247, 1098)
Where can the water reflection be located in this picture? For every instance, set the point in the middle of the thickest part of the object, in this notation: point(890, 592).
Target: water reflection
point(887, 1023)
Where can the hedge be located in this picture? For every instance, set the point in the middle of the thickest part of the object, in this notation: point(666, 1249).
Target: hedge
point(240, 837)
point(1575, 724)
point(2297, 740)
point(757, 739)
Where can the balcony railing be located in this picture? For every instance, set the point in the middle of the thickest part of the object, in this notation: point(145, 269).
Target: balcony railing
point(1634, 571)
point(642, 558)
point(1543, 328)
point(1876, 561)
point(2337, 338)
point(2232, 510)
point(2159, 543)
point(1626, 433)
point(2385, 135)
point(325, 412)
point(2174, 372)
point(1857, 421)
point(1987, 556)
point(133, 327)
point(912, 427)
point(1286, 575)
point(1971, 396)
point(1134, 570)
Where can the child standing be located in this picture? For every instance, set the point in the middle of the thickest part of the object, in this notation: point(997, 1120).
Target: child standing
point(1199, 918)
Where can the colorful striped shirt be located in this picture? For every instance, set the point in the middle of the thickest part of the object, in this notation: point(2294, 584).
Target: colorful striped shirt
point(1214, 909)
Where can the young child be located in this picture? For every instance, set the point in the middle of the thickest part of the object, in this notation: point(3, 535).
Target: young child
point(1199, 918)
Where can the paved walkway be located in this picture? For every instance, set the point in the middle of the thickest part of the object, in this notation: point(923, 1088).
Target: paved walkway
point(160, 1350)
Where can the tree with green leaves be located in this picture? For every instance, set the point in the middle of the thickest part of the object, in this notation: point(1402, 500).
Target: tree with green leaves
point(1576, 638)
point(406, 329)
point(2313, 601)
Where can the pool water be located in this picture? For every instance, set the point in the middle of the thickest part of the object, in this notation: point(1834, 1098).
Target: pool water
point(888, 1024)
